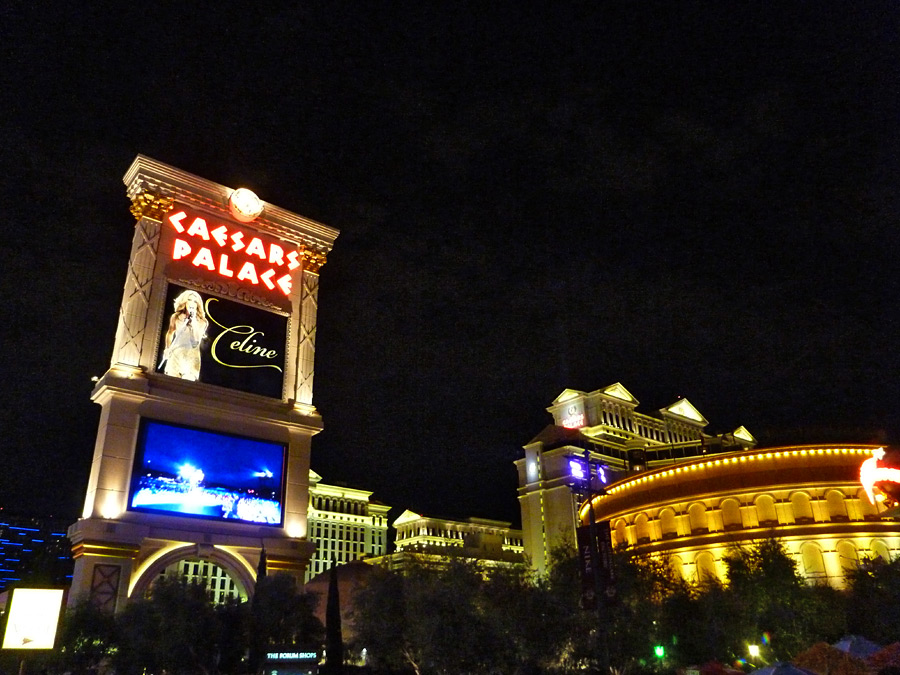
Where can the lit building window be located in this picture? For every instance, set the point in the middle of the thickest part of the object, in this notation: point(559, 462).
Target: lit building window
point(837, 510)
point(699, 521)
point(801, 507)
point(706, 567)
point(668, 524)
point(812, 560)
point(848, 556)
point(765, 511)
point(731, 514)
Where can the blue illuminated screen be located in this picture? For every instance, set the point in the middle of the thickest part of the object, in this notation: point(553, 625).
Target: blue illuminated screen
point(185, 471)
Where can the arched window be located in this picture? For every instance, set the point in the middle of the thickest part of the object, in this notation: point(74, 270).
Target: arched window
point(731, 514)
point(219, 583)
point(642, 529)
point(677, 566)
point(765, 511)
point(697, 515)
point(837, 509)
point(668, 524)
point(706, 567)
point(881, 550)
point(621, 534)
point(813, 562)
point(801, 507)
point(848, 556)
point(866, 508)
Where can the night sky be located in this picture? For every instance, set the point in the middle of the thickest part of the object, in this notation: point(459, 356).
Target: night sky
point(692, 199)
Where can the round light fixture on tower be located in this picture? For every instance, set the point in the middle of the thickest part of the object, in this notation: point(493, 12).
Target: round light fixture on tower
point(244, 205)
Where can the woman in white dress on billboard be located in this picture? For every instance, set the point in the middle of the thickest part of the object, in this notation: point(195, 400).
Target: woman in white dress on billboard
point(187, 328)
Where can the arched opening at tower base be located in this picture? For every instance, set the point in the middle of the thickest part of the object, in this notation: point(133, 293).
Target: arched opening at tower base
point(225, 575)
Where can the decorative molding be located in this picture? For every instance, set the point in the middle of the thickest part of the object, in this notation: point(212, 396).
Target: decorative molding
point(136, 295)
point(150, 205)
point(149, 175)
point(306, 342)
point(105, 587)
point(313, 261)
point(229, 289)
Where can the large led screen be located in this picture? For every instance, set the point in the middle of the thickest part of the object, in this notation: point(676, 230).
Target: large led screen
point(217, 341)
point(205, 474)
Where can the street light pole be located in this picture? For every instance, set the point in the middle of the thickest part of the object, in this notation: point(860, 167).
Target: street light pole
point(598, 565)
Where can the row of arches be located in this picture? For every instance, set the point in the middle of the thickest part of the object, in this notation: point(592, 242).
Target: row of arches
point(731, 514)
point(338, 505)
point(814, 562)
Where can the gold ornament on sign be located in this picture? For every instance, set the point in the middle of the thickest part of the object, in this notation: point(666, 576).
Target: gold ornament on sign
point(312, 261)
point(149, 205)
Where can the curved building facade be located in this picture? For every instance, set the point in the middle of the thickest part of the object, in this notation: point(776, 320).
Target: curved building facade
point(809, 497)
point(605, 428)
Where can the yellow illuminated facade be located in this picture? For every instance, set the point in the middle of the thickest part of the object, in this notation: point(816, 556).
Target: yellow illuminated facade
point(344, 524)
point(605, 426)
point(424, 539)
point(809, 497)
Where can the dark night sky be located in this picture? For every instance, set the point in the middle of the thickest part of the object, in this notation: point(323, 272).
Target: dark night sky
point(694, 199)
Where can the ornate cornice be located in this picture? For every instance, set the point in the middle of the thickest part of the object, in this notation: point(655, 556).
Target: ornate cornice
point(149, 175)
point(228, 289)
point(312, 261)
point(149, 205)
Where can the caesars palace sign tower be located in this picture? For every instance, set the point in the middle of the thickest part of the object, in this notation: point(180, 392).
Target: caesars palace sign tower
point(202, 451)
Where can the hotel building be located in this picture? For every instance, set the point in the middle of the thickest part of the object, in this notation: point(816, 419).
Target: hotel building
point(809, 497)
point(673, 490)
point(344, 524)
point(424, 539)
point(605, 427)
point(34, 550)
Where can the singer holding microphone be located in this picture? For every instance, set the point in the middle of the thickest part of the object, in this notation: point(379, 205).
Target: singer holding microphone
point(187, 328)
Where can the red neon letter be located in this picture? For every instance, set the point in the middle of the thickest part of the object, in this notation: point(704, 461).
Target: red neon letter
point(276, 254)
point(236, 237)
point(176, 219)
point(220, 234)
point(266, 278)
point(248, 273)
point(223, 266)
point(198, 227)
point(182, 248)
point(284, 283)
point(255, 247)
point(293, 263)
point(204, 259)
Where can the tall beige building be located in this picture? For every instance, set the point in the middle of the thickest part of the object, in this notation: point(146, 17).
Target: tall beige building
point(344, 524)
point(202, 454)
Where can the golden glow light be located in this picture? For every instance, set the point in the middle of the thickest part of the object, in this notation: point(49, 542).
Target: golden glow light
point(709, 464)
point(244, 205)
point(111, 507)
point(33, 618)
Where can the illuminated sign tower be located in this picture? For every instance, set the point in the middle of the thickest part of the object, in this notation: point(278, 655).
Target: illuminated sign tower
point(202, 452)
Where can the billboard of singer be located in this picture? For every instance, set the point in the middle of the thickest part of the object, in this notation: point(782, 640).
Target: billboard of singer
point(187, 328)
point(218, 341)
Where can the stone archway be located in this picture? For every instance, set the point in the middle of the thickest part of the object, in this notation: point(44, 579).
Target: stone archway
point(236, 568)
